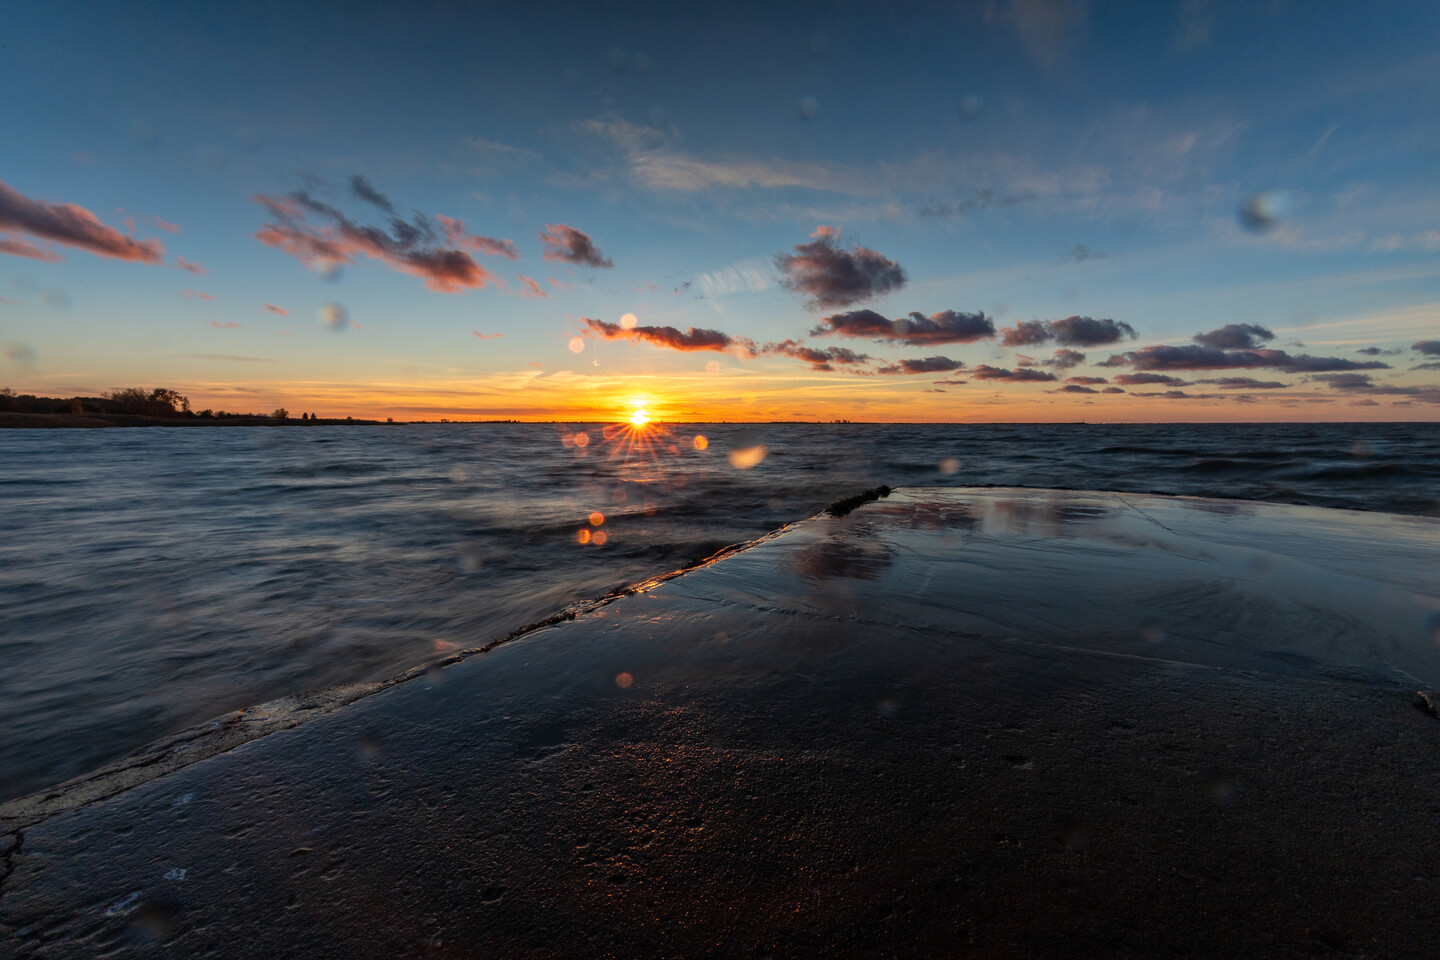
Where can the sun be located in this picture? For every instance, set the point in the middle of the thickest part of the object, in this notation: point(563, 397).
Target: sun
point(639, 418)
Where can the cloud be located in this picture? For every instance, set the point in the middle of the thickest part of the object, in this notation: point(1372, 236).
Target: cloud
point(567, 245)
point(834, 278)
point(1235, 336)
point(818, 359)
point(950, 380)
point(927, 365)
point(1112, 390)
point(1086, 380)
point(1245, 383)
point(417, 246)
point(280, 310)
point(1064, 359)
point(1026, 333)
point(1046, 27)
point(194, 268)
point(1428, 347)
point(1364, 402)
point(485, 336)
point(946, 326)
point(1089, 332)
point(695, 338)
point(1176, 395)
point(747, 276)
point(229, 357)
point(986, 372)
point(361, 188)
point(530, 288)
point(981, 200)
point(1361, 383)
point(73, 226)
point(24, 248)
point(195, 295)
point(1197, 357)
point(1433, 365)
point(1074, 388)
point(228, 325)
point(1138, 379)
point(1080, 253)
point(1072, 331)
point(166, 226)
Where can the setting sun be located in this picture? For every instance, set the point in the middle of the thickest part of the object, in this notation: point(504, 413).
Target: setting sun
point(639, 418)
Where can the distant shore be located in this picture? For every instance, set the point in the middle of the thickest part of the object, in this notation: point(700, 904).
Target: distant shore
point(68, 421)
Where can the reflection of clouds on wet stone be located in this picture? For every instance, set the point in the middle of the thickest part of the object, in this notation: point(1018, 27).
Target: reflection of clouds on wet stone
point(848, 559)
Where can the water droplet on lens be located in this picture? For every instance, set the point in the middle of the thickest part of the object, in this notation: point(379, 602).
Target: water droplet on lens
point(457, 474)
point(577, 344)
point(970, 106)
point(808, 108)
point(624, 681)
point(949, 465)
point(1264, 211)
point(335, 318)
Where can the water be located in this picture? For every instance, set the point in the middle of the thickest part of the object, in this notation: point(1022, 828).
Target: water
point(153, 579)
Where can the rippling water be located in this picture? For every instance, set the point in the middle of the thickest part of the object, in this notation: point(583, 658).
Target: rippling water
point(155, 578)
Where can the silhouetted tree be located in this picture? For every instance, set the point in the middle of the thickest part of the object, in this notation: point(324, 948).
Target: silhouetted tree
point(280, 414)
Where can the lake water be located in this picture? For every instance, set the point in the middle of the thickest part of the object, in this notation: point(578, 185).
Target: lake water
point(151, 579)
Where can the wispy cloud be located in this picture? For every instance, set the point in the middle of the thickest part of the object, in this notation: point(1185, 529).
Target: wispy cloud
point(433, 249)
point(485, 336)
point(530, 287)
point(195, 295)
point(746, 276)
point(277, 310)
point(71, 225)
point(194, 268)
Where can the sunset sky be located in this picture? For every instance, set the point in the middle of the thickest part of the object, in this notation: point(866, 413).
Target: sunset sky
point(1012, 210)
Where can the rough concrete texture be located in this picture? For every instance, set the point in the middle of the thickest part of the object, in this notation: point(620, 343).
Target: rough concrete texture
point(997, 723)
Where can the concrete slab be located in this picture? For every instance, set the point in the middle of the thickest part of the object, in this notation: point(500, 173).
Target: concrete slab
point(951, 723)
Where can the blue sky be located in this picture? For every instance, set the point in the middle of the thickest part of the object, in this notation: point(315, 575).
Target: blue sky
point(1028, 161)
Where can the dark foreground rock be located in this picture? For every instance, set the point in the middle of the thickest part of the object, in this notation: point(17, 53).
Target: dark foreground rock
point(989, 723)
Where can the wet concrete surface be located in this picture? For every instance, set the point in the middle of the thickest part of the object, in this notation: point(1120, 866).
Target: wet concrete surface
point(953, 723)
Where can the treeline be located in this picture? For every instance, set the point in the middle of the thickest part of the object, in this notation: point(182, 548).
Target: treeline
point(137, 404)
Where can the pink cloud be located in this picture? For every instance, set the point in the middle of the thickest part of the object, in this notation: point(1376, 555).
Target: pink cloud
point(695, 338)
point(530, 288)
point(223, 326)
point(194, 268)
point(195, 295)
point(414, 247)
point(485, 336)
point(166, 226)
point(23, 248)
point(274, 309)
point(74, 226)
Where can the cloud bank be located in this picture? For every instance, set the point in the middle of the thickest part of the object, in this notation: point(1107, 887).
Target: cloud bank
point(947, 326)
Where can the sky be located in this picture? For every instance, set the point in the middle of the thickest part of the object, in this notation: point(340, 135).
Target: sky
point(1014, 210)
